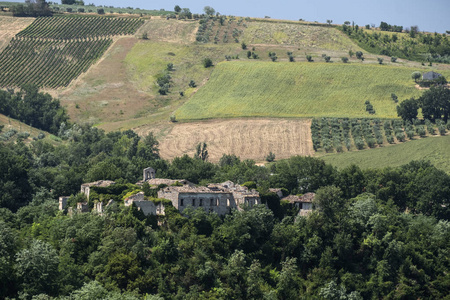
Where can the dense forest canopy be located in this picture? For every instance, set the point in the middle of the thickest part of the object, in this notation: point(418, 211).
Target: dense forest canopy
point(34, 108)
point(376, 233)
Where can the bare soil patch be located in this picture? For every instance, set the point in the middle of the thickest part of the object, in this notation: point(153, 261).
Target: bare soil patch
point(105, 89)
point(10, 26)
point(246, 138)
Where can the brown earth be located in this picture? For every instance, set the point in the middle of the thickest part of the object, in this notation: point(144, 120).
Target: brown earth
point(246, 138)
point(10, 26)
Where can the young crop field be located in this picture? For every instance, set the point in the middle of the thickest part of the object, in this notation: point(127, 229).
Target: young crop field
point(53, 51)
point(435, 149)
point(282, 89)
point(248, 139)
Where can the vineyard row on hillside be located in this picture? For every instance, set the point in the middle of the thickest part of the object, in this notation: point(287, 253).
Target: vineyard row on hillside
point(74, 28)
point(48, 63)
point(333, 134)
point(53, 51)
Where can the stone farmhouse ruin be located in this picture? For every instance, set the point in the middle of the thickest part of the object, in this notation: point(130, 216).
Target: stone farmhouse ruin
point(220, 198)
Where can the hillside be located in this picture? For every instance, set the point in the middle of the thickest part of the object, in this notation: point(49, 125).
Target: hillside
point(435, 149)
point(250, 89)
point(114, 85)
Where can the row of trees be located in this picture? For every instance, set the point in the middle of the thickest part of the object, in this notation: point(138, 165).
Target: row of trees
point(32, 8)
point(416, 46)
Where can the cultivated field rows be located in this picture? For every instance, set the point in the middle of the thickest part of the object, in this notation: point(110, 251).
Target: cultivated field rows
point(246, 138)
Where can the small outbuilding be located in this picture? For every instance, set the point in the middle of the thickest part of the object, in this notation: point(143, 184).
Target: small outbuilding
point(431, 75)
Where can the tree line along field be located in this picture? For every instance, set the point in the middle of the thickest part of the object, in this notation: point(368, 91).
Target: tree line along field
point(282, 89)
point(53, 51)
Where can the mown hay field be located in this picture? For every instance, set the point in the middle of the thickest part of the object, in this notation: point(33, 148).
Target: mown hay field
point(246, 138)
point(435, 149)
point(283, 89)
point(10, 26)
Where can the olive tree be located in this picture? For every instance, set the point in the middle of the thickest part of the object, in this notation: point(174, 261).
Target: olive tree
point(416, 75)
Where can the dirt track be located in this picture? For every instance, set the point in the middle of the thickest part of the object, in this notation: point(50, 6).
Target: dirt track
point(246, 138)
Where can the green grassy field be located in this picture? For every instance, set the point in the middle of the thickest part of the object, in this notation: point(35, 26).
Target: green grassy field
point(267, 89)
point(435, 149)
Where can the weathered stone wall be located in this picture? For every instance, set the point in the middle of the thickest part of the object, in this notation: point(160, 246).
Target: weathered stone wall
point(63, 202)
point(220, 203)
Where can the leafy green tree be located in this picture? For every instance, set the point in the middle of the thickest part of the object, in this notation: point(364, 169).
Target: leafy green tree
point(14, 181)
point(177, 9)
point(244, 46)
point(328, 200)
point(207, 62)
point(37, 268)
point(435, 103)
point(270, 157)
point(416, 75)
point(201, 152)
point(380, 60)
point(408, 109)
point(8, 247)
point(344, 59)
point(359, 55)
point(148, 148)
point(209, 10)
point(288, 281)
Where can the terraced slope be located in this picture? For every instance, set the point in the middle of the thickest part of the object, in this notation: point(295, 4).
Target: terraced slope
point(267, 89)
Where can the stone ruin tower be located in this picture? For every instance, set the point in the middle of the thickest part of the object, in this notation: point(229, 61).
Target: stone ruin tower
point(149, 173)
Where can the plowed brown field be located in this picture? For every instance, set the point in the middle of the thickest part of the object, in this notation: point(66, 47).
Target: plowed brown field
point(246, 138)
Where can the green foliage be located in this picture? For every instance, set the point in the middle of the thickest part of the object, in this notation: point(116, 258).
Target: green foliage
point(408, 109)
point(270, 157)
point(344, 59)
point(413, 45)
point(207, 62)
point(435, 103)
point(37, 268)
point(416, 75)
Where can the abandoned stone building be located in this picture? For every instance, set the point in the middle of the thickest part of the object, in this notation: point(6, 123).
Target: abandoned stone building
point(86, 187)
point(149, 177)
point(218, 198)
point(304, 202)
point(146, 206)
